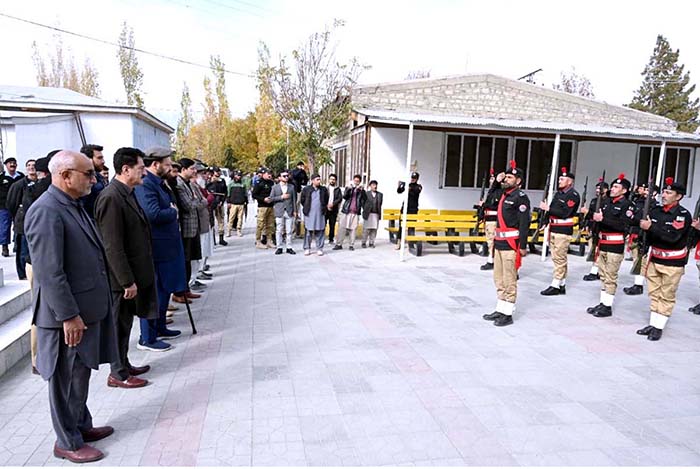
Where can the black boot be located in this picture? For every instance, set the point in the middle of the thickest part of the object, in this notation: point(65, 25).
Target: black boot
point(695, 309)
point(487, 266)
point(503, 320)
point(222, 241)
point(492, 316)
point(594, 308)
point(654, 334)
point(645, 330)
point(633, 290)
point(591, 277)
point(603, 311)
point(5, 251)
point(553, 291)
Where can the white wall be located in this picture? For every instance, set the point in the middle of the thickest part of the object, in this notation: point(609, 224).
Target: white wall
point(38, 136)
point(112, 131)
point(145, 135)
point(9, 140)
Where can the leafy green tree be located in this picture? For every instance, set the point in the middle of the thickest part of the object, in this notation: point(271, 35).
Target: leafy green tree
point(186, 121)
point(311, 91)
point(132, 76)
point(666, 89)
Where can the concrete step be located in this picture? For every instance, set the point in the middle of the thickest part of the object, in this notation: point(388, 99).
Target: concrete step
point(15, 322)
point(14, 339)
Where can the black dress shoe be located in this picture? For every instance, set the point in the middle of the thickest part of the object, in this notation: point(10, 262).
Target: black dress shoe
point(645, 330)
point(364, 245)
point(351, 248)
point(603, 312)
point(492, 316)
point(487, 266)
point(595, 308)
point(654, 334)
point(279, 251)
point(337, 247)
point(503, 320)
point(591, 277)
point(291, 251)
point(633, 290)
point(695, 309)
point(552, 291)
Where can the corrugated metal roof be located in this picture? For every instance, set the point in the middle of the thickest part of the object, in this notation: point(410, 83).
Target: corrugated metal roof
point(47, 99)
point(523, 125)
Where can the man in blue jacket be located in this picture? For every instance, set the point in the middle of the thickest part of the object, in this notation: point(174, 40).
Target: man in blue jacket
point(158, 202)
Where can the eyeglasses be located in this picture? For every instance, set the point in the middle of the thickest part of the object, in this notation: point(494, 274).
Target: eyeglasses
point(90, 173)
point(284, 175)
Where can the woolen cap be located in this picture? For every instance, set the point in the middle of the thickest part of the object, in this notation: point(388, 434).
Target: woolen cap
point(156, 153)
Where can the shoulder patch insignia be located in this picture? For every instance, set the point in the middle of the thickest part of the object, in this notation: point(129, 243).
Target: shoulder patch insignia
point(570, 203)
point(522, 208)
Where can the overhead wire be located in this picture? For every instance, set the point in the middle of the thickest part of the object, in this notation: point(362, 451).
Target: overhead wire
point(114, 44)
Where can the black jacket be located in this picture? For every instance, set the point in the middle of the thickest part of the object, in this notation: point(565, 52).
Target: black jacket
point(514, 211)
point(300, 179)
point(414, 190)
point(337, 198)
point(372, 204)
point(126, 235)
point(306, 199)
point(491, 201)
point(618, 213)
point(563, 207)
point(16, 203)
point(262, 190)
point(361, 197)
point(669, 232)
point(219, 190)
point(238, 195)
point(5, 183)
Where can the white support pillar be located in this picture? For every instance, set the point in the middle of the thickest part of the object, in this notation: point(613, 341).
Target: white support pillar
point(553, 178)
point(407, 171)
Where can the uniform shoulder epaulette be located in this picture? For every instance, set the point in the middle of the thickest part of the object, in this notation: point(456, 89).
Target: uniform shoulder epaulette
point(521, 193)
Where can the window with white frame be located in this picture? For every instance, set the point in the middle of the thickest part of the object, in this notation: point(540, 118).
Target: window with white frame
point(677, 164)
point(468, 158)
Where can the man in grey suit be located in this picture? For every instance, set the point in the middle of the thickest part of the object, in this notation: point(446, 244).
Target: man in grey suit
point(284, 200)
point(72, 303)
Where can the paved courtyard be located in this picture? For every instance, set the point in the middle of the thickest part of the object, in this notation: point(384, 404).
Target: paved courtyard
point(356, 359)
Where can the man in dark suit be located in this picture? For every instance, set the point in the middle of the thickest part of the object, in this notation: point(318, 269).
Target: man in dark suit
point(336, 198)
point(72, 303)
point(158, 202)
point(126, 234)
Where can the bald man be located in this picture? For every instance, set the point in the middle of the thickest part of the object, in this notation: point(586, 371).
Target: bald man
point(72, 304)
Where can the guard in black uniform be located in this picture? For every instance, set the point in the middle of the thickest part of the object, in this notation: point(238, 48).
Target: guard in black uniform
point(414, 190)
point(589, 226)
point(510, 244)
point(562, 211)
point(667, 228)
point(490, 207)
point(633, 237)
point(613, 220)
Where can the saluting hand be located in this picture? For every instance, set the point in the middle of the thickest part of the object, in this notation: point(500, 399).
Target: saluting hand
point(73, 330)
point(130, 292)
point(645, 224)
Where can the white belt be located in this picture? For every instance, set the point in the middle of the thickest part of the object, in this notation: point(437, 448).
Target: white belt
point(507, 234)
point(561, 221)
point(612, 237)
point(668, 254)
point(491, 213)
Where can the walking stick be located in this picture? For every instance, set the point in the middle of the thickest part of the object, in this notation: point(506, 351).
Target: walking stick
point(189, 313)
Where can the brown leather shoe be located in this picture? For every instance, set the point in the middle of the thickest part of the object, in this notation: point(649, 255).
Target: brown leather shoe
point(97, 433)
point(85, 454)
point(129, 383)
point(179, 299)
point(172, 308)
point(192, 296)
point(139, 370)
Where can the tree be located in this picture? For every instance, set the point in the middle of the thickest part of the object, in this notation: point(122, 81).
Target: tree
point(575, 83)
point(418, 74)
point(63, 73)
point(311, 91)
point(186, 121)
point(129, 67)
point(665, 89)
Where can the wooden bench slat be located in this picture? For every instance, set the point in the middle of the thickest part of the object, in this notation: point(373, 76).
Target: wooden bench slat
point(452, 239)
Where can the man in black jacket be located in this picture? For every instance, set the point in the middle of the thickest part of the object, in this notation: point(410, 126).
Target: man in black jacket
point(7, 178)
point(335, 199)
point(94, 152)
point(371, 214)
point(414, 190)
point(15, 205)
point(237, 200)
point(217, 187)
point(266, 214)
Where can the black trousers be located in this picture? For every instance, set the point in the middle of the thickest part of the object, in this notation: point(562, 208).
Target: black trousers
point(331, 219)
point(193, 252)
point(68, 393)
point(124, 311)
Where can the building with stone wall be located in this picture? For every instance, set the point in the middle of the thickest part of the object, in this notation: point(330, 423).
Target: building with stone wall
point(465, 125)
